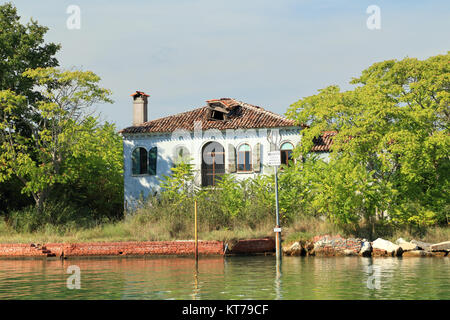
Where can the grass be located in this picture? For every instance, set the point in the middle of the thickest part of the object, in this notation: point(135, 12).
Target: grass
point(131, 229)
point(144, 228)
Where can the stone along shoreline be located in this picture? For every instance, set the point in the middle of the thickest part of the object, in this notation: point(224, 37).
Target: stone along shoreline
point(327, 245)
point(324, 245)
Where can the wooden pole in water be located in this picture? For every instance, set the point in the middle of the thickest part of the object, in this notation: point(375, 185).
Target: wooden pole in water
point(196, 231)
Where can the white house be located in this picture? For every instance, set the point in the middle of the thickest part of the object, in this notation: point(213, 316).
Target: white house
point(224, 136)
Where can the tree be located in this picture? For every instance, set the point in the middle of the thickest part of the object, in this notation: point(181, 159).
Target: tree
point(97, 164)
point(392, 145)
point(62, 130)
point(21, 47)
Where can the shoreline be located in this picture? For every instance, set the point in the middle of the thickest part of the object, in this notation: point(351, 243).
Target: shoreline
point(126, 248)
point(323, 246)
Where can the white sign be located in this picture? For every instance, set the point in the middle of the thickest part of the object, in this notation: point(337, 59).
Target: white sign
point(276, 229)
point(274, 158)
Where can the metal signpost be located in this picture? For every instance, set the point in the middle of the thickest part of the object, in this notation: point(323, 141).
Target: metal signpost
point(274, 159)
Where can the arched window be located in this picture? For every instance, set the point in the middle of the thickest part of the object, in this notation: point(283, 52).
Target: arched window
point(286, 152)
point(139, 161)
point(152, 157)
point(244, 158)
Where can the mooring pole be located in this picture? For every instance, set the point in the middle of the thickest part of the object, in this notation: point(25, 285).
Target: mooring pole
point(274, 158)
point(277, 228)
point(195, 231)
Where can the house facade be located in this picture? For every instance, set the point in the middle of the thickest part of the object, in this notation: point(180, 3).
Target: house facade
point(224, 136)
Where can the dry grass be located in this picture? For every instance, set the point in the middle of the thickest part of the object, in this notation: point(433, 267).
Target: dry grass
point(143, 228)
point(132, 229)
point(305, 228)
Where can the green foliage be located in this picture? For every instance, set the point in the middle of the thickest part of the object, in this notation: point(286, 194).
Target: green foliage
point(55, 214)
point(391, 152)
point(62, 132)
point(51, 147)
point(232, 196)
point(232, 202)
point(98, 164)
point(180, 184)
point(22, 47)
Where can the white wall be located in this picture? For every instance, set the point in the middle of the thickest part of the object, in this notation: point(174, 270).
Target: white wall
point(141, 185)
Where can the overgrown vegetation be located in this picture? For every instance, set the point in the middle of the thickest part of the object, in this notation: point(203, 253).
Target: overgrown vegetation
point(234, 210)
point(58, 164)
point(390, 161)
point(61, 170)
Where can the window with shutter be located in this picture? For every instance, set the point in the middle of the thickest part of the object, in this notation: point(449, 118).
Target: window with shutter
point(139, 161)
point(152, 159)
point(257, 158)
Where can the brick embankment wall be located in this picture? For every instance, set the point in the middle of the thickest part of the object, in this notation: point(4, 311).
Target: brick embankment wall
point(253, 246)
point(18, 250)
point(112, 249)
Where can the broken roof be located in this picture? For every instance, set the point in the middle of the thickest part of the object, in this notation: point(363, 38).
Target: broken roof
point(240, 115)
point(323, 143)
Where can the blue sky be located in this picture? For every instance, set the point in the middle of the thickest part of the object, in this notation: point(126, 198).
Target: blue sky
point(268, 53)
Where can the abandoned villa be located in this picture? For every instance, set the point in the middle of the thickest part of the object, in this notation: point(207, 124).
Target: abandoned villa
point(224, 136)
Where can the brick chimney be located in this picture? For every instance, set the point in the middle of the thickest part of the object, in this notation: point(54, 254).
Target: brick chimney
point(139, 107)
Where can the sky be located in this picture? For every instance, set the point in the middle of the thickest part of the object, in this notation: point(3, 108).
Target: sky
point(267, 53)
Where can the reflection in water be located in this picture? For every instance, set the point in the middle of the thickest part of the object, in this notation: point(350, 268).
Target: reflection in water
point(196, 292)
point(278, 280)
point(250, 277)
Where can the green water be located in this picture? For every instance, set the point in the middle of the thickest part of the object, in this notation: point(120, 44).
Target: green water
point(249, 277)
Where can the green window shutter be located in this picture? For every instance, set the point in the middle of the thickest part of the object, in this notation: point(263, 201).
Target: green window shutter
point(231, 159)
point(135, 157)
point(152, 157)
point(257, 158)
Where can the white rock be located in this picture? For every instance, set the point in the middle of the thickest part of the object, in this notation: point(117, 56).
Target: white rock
point(385, 245)
point(294, 250)
point(408, 246)
point(296, 246)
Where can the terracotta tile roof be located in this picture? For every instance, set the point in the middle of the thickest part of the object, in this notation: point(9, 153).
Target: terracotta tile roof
point(241, 116)
point(324, 142)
